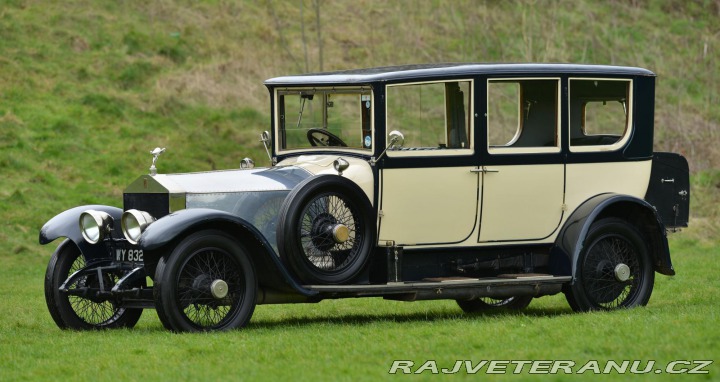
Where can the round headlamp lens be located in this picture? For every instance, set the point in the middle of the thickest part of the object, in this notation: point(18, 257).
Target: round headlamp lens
point(94, 225)
point(131, 227)
point(134, 223)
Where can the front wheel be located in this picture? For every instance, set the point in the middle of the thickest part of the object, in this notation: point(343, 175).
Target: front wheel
point(613, 270)
point(80, 308)
point(206, 283)
point(486, 303)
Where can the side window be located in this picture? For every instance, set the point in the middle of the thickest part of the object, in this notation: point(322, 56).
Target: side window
point(431, 116)
point(522, 115)
point(503, 113)
point(599, 113)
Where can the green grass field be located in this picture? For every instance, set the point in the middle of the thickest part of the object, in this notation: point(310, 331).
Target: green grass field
point(88, 88)
point(358, 339)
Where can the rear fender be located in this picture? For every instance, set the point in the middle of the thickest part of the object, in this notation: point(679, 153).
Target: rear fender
point(162, 236)
point(67, 224)
point(569, 243)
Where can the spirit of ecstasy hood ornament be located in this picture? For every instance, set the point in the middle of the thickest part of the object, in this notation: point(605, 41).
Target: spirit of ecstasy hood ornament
point(155, 153)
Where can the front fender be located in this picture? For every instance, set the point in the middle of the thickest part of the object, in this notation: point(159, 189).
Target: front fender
point(161, 236)
point(66, 224)
point(569, 243)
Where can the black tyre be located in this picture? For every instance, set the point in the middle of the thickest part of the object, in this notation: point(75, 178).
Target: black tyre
point(613, 270)
point(77, 309)
point(326, 230)
point(207, 283)
point(487, 303)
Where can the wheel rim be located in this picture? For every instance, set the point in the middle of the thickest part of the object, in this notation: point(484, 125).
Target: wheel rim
point(320, 222)
point(611, 272)
point(496, 302)
point(95, 312)
point(200, 279)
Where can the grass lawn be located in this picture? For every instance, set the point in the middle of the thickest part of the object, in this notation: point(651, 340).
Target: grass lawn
point(358, 339)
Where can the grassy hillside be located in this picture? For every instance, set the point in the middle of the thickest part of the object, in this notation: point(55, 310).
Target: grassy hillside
point(87, 88)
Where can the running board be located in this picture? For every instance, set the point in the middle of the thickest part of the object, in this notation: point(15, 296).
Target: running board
point(457, 288)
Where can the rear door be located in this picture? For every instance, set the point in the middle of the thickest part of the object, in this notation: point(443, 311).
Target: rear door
point(523, 177)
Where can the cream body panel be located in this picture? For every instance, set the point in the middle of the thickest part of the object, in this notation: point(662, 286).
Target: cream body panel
point(585, 180)
point(424, 206)
point(521, 202)
point(359, 171)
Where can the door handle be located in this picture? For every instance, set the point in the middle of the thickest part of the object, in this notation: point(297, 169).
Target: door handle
point(484, 170)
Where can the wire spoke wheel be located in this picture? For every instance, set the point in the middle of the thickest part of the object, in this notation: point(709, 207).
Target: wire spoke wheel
point(482, 304)
point(598, 269)
point(318, 220)
point(614, 269)
point(80, 308)
point(326, 230)
point(207, 283)
point(194, 292)
point(92, 311)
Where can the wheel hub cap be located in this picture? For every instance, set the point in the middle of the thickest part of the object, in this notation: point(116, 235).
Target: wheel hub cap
point(219, 289)
point(340, 233)
point(622, 272)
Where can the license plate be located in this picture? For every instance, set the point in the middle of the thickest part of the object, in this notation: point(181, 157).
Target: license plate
point(127, 254)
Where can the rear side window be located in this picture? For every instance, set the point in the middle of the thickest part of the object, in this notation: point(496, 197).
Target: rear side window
point(600, 114)
point(522, 115)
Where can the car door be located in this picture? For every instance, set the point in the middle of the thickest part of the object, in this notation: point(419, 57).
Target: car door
point(523, 176)
point(423, 206)
point(429, 191)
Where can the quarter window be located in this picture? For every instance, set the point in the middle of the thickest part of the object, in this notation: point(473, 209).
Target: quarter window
point(599, 113)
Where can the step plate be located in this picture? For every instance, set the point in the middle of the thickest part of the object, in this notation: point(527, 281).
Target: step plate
point(447, 283)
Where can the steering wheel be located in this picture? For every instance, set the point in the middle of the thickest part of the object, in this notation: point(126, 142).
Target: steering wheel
point(322, 137)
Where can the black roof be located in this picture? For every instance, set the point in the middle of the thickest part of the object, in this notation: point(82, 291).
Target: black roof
point(409, 72)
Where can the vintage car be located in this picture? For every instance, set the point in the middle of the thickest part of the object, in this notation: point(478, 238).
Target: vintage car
point(488, 184)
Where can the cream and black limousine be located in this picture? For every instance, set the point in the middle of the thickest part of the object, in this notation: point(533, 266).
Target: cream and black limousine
point(488, 184)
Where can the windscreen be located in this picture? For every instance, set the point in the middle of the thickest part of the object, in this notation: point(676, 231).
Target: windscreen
point(325, 118)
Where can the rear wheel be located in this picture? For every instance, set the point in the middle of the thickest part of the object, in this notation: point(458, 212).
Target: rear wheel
point(80, 308)
point(486, 303)
point(206, 283)
point(613, 270)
